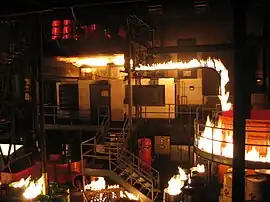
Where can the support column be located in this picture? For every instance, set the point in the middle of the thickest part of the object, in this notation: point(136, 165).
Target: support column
point(241, 100)
point(42, 133)
point(266, 49)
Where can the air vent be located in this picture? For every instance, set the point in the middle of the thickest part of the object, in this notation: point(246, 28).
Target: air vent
point(155, 9)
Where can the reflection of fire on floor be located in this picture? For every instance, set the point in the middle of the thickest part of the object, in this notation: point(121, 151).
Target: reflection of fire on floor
point(98, 190)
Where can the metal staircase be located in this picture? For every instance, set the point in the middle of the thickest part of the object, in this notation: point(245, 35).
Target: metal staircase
point(119, 164)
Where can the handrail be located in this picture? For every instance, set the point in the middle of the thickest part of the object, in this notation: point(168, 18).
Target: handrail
point(16, 159)
point(154, 172)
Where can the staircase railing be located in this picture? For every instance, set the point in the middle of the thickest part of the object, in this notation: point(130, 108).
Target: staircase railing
point(129, 167)
point(122, 161)
point(89, 146)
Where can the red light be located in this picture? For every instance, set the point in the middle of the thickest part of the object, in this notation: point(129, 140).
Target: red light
point(56, 29)
point(93, 27)
point(67, 29)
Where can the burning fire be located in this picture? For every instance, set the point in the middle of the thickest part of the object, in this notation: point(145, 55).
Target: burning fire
point(215, 139)
point(94, 61)
point(119, 60)
point(34, 189)
point(177, 182)
point(31, 189)
point(199, 168)
point(209, 63)
point(100, 184)
point(22, 183)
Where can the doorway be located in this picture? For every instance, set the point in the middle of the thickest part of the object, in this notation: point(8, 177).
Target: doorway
point(99, 101)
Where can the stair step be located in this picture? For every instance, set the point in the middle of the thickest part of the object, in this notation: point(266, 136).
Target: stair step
point(113, 143)
point(141, 179)
point(119, 135)
point(116, 129)
point(147, 184)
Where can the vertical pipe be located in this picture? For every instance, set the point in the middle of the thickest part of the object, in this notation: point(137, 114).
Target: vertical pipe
point(129, 65)
point(241, 100)
point(266, 49)
point(41, 108)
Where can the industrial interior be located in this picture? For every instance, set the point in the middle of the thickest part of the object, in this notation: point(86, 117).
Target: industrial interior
point(163, 102)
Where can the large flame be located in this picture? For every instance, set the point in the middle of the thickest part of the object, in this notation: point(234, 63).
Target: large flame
point(118, 59)
point(218, 139)
point(177, 182)
point(94, 61)
point(34, 189)
point(31, 189)
point(99, 184)
point(209, 63)
point(22, 183)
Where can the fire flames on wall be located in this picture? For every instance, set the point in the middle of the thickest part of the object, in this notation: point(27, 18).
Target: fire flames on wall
point(216, 64)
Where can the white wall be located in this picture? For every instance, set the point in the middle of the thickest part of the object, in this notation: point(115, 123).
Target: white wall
point(167, 111)
point(192, 96)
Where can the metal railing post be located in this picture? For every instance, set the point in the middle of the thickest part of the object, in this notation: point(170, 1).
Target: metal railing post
point(169, 113)
point(54, 115)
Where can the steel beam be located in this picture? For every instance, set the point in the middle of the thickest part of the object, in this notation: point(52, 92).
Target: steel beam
point(241, 101)
point(195, 48)
point(254, 41)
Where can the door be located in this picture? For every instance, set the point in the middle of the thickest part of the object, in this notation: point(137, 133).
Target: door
point(99, 101)
point(69, 100)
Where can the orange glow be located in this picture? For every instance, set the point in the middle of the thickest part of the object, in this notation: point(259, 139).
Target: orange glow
point(215, 64)
point(94, 61)
point(216, 139)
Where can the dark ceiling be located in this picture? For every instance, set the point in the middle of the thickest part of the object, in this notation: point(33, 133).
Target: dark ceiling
point(18, 6)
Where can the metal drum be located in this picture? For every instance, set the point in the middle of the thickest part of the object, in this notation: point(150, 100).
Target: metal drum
point(145, 152)
point(63, 197)
point(254, 187)
point(170, 198)
point(227, 188)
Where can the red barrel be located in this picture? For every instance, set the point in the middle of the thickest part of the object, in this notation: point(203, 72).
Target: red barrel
point(56, 29)
point(145, 152)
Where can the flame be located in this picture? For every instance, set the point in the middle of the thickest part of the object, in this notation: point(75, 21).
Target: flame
point(100, 184)
point(119, 60)
point(96, 185)
point(34, 189)
point(177, 182)
point(22, 183)
point(215, 139)
point(94, 61)
point(199, 168)
point(31, 189)
point(215, 64)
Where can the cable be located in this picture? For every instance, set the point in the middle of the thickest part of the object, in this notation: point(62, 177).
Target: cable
point(68, 7)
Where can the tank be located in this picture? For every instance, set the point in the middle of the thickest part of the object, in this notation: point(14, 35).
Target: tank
point(254, 185)
point(227, 188)
point(145, 152)
point(56, 29)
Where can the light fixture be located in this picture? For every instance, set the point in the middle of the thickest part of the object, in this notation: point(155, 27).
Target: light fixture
point(259, 80)
point(191, 88)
